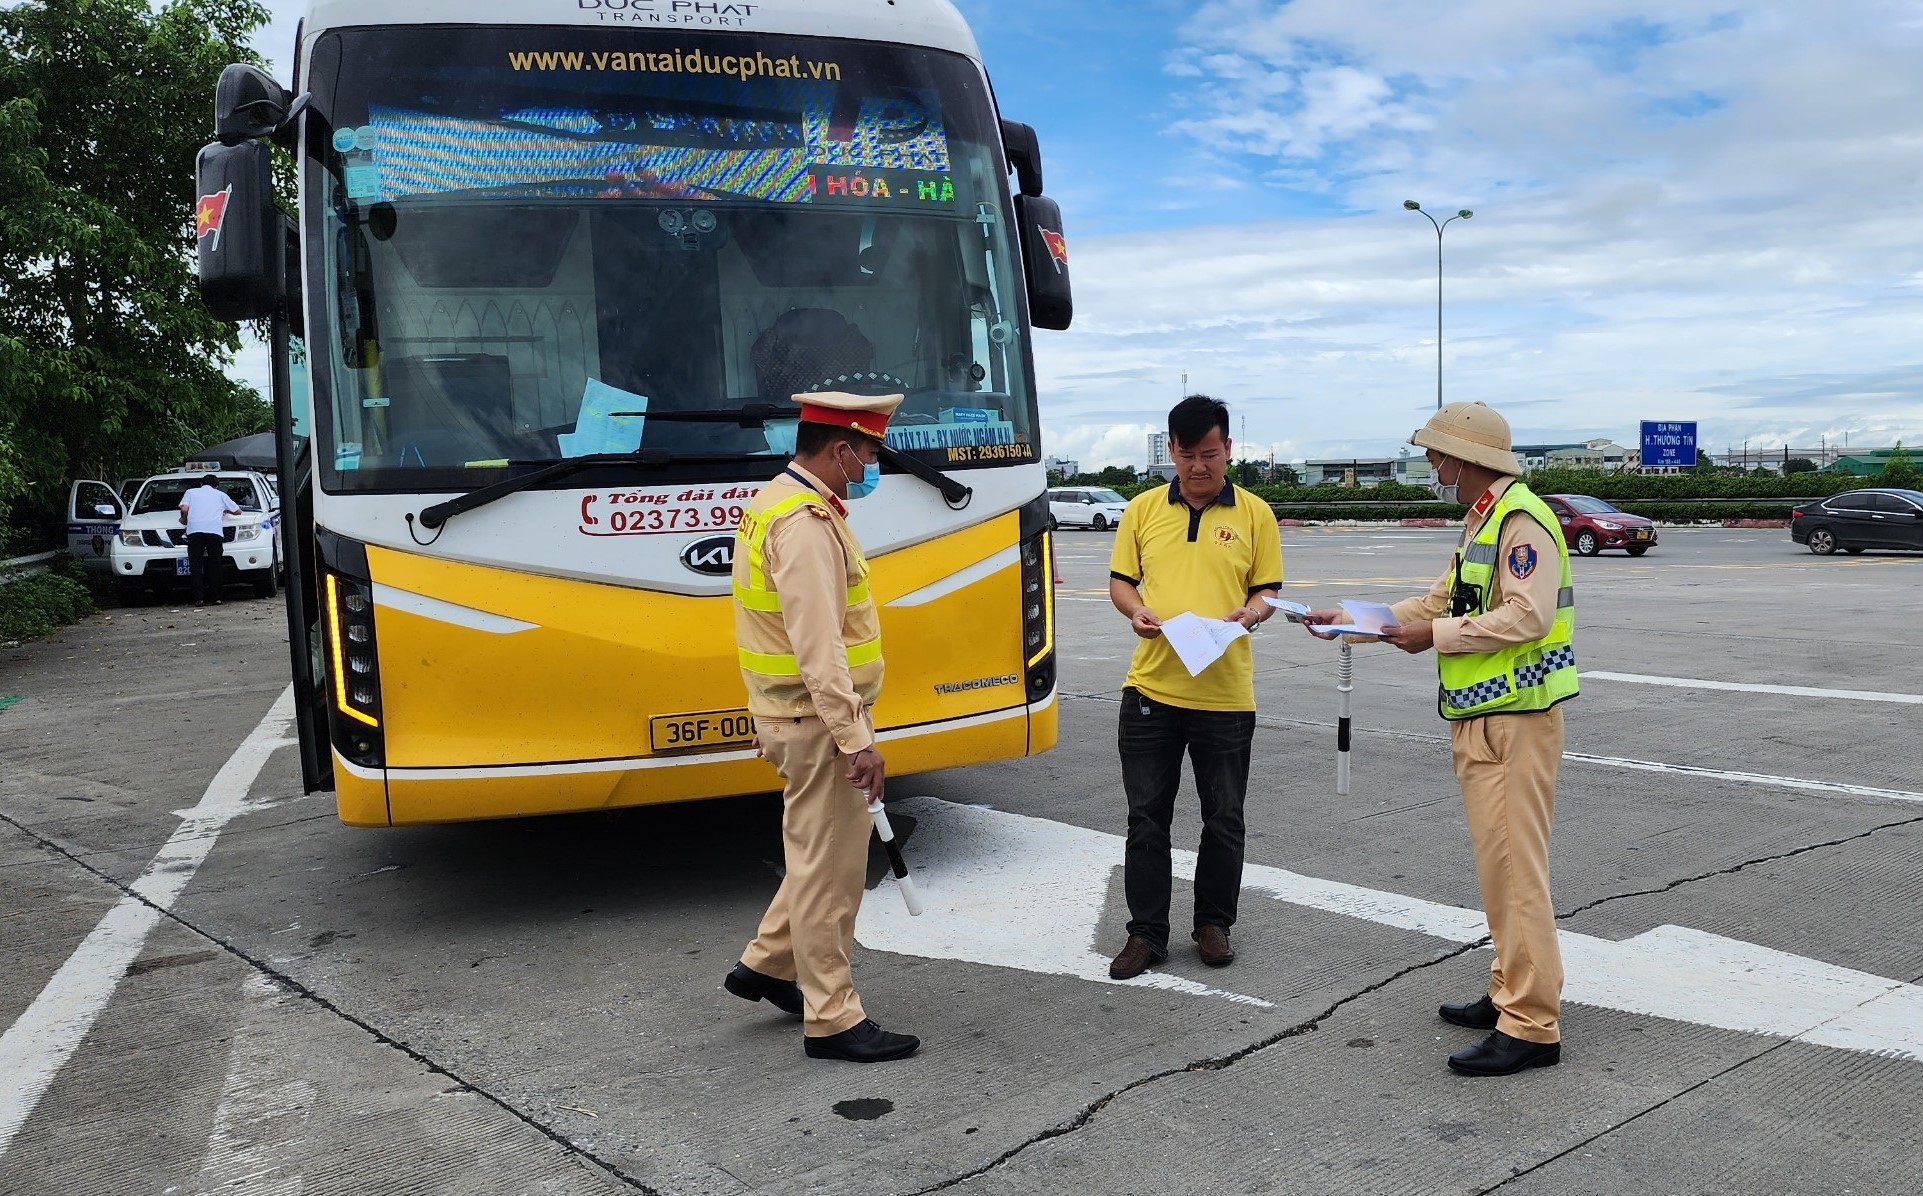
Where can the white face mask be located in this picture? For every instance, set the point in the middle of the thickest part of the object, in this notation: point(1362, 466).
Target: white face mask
point(1451, 492)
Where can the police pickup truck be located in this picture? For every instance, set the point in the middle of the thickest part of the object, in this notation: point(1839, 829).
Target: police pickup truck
point(143, 544)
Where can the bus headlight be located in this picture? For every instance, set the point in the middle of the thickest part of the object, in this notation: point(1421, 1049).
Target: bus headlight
point(1038, 614)
point(354, 669)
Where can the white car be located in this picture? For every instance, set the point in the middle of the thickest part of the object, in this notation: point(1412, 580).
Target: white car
point(147, 546)
point(1077, 507)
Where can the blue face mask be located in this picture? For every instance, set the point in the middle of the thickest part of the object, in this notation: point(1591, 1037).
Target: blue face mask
point(870, 478)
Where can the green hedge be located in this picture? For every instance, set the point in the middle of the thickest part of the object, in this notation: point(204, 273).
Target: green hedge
point(36, 606)
point(1387, 492)
point(1369, 512)
point(1662, 512)
point(1707, 512)
point(1681, 487)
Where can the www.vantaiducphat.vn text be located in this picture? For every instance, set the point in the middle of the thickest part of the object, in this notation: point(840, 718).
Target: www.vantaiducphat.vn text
point(678, 62)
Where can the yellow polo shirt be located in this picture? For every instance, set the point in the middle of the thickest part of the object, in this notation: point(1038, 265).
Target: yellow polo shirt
point(1207, 561)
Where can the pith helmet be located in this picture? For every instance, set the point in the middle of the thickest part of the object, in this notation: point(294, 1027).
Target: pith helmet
point(1471, 432)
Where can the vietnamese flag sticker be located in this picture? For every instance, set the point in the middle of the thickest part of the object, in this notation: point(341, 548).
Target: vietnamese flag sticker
point(209, 213)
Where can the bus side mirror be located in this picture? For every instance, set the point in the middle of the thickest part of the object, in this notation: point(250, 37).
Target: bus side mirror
point(1024, 152)
point(239, 231)
point(1045, 261)
point(248, 104)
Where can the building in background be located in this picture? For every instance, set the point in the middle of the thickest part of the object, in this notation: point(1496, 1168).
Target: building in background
point(1158, 451)
point(1062, 465)
point(1604, 455)
point(1412, 470)
point(1536, 456)
point(1858, 463)
point(1358, 471)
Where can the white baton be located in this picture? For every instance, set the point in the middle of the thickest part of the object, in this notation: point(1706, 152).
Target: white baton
point(1344, 685)
point(899, 866)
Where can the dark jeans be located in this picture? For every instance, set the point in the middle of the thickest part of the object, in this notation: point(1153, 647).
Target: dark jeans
point(1152, 738)
point(203, 562)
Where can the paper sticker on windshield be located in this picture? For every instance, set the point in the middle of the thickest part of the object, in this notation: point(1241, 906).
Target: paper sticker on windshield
point(1522, 560)
point(363, 181)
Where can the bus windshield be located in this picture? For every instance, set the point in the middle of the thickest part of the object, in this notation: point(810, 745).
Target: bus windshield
point(541, 243)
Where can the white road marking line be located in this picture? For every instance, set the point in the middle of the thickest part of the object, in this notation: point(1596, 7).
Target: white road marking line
point(1013, 891)
point(1747, 778)
point(45, 1036)
point(262, 1115)
point(1794, 691)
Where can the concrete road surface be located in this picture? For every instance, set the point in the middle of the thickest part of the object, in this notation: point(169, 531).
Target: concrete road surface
point(213, 986)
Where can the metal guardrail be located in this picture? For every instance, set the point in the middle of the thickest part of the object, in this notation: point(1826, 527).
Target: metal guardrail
point(19, 567)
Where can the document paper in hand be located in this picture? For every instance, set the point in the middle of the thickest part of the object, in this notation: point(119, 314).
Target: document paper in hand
point(1292, 611)
point(1365, 618)
point(1200, 642)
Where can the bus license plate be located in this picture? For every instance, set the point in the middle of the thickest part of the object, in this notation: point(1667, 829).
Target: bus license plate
point(712, 728)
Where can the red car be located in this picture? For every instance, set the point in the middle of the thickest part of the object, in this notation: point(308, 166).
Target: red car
point(1591, 525)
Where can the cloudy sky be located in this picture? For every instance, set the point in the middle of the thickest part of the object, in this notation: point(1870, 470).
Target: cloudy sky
point(1685, 210)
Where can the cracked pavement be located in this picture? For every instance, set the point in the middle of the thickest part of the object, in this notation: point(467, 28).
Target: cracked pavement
point(535, 1006)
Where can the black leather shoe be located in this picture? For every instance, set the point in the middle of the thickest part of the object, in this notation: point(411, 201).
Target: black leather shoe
point(750, 985)
point(863, 1042)
point(1138, 956)
point(1501, 1055)
point(1479, 1014)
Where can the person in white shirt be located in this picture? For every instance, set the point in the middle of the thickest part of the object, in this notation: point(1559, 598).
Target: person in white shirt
point(204, 509)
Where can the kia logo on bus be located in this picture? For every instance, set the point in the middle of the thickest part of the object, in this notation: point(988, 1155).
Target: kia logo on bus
point(714, 555)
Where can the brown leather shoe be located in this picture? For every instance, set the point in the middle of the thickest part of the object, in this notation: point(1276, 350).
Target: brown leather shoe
point(1137, 957)
point(1213, 942)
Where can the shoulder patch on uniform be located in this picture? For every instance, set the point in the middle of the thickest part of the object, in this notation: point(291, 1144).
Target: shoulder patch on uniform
point(1522, 560)
point(818, 510)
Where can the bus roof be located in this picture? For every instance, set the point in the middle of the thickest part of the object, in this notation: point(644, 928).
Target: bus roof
point(933, 23)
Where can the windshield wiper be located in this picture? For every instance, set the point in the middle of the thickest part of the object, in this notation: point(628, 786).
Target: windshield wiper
point(756, 415)
point(438, 514)
point(953, 492)
point(748, 415)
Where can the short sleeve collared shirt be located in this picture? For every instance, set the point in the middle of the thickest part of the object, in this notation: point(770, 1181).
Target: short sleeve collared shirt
point(1207, 560)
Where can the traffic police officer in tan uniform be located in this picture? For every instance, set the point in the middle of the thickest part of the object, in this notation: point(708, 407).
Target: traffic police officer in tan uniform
point(809, 641)
point(1501, 620)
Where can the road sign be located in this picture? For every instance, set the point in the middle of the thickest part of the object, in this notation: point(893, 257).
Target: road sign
point(1669, 444)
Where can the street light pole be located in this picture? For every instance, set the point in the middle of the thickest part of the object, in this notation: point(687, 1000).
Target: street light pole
point(1461, 214)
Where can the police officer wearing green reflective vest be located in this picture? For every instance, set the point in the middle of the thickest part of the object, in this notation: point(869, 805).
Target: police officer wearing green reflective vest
point(1502, 620)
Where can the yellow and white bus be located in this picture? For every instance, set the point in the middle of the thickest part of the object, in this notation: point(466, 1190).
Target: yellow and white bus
point(559, 268)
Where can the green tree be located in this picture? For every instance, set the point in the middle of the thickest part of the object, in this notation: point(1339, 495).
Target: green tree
point(109, 364)
point(1798, 465)
point(1899, 471)
point(1115, 475)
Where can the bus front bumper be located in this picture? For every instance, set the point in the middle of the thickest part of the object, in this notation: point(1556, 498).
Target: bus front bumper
point(411, 796)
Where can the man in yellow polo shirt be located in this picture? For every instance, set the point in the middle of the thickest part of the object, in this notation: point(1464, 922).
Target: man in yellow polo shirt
point(1202, 545)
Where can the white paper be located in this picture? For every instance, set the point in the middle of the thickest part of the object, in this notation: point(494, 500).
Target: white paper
point(1200, 642)
point(1365, 618)
point(1292, 611)
point(1373, 617)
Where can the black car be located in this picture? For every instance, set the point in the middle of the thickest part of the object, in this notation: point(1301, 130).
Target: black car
point(1859, 519)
